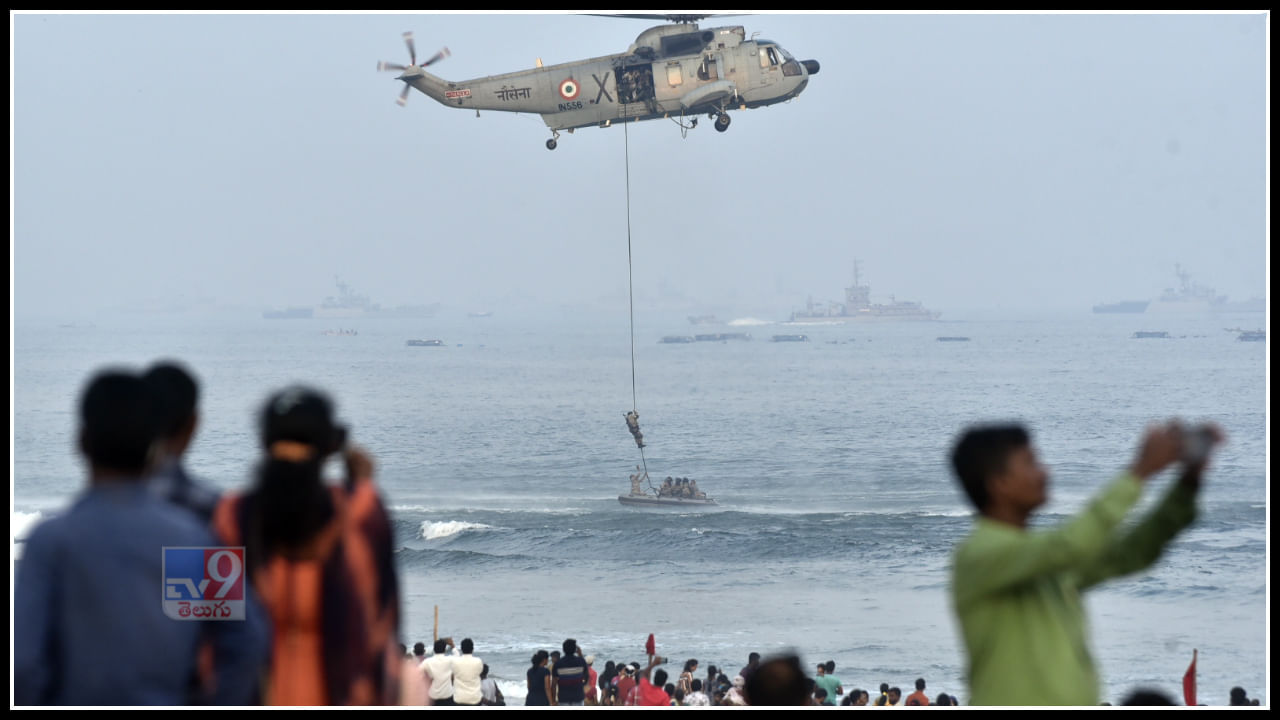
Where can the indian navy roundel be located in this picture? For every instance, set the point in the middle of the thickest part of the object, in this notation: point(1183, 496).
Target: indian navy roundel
point(569, 89)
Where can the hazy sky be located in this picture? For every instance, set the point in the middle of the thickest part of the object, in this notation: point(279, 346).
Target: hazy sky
point(983, 161)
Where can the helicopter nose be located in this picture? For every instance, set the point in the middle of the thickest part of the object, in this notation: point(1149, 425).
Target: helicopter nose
point(811, 66)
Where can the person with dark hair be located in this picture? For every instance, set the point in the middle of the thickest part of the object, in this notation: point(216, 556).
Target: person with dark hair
point(685, 681)
point(177, 395)
point(95, 574)
point(918, 697)
point(538, 680)
point(569, 676)
point(856, 697)
point(438, 669)
point(882, 700)
point(753, 662)
point(944, 699)
point(777, 681)
point(826, 679)
point(1018, 593)
point(1239, 697)
point(414, 685)
point(696, 697)
point(1148, 697)
point(651, 694)
point(489, 691)
point(466, 675)
point(320, 555)
point(895, 696)
point(627, 682)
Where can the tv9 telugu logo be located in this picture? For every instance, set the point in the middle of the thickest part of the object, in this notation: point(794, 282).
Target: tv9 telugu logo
point(204, 583)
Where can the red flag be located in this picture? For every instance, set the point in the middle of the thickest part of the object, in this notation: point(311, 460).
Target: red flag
point(1189, 681)
point(651, 647)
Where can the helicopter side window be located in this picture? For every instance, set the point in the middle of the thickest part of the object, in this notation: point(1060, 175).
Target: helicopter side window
point(708, 70)
point(768, 57)
point(675, 74)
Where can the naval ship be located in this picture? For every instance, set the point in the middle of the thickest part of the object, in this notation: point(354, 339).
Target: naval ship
point(350, 304)
point(857, 306)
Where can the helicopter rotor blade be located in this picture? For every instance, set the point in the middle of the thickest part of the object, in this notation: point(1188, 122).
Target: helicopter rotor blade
point(385, 66)
point(444, 53)
point(413, 54)
point(404, 96)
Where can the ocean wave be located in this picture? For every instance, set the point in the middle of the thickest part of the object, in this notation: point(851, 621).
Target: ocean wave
point(437, 530)
point(24, 523)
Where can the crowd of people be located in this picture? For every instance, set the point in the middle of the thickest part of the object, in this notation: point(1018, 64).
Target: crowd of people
point(307, 564)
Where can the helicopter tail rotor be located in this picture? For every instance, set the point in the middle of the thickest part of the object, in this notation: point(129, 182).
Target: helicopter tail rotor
point(413, 64)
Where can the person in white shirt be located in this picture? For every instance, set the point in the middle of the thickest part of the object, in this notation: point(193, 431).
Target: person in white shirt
point(439, 669)
point(466, 675)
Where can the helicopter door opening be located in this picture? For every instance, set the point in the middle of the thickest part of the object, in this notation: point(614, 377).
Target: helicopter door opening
point(769, 62)
point(635, 84)
point(709, 70)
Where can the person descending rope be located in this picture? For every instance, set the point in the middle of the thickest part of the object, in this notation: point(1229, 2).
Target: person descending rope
point(636, 480)
point(633, 424)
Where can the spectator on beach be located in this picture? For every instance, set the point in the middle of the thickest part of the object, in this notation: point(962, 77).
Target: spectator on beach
point(1239, 697)
point(592, 695)
point(651, 694)
point(944, 699)
point(918, 697)
point(627, 682)
point(177, 394)
point(538, 680)
point(895, 696)
point(1018, 593)
point(414, 685)
point(94, 574)
point(826, 679)
point(438, 668)
point(569, 676)
point(855, 697)
point(778, 681)
point(321, 557)
point(1148, 697)
point(883, 698)
point(685, 681)
point(709, 685)
point(490, 694)
point(753, 662)
point(696, 697)
point(734, 696)
point(820, 696)
point(466, 675)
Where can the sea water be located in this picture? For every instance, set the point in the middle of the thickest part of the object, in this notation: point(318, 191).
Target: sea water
point(502, 453)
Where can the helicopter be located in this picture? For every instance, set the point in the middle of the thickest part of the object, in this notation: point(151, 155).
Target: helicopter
point(677, 69)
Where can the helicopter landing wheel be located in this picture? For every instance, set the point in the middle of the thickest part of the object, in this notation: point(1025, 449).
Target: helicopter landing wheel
point(722, 122)
point(551, 144)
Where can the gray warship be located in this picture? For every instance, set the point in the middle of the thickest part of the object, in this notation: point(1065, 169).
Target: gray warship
point(857, 306)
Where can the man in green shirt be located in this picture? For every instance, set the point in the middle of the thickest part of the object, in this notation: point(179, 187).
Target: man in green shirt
point(1017, 593)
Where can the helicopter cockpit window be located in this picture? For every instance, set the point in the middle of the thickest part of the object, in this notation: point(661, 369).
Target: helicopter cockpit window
point(769, 57)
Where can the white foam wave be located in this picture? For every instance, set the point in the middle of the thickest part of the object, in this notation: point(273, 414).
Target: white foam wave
point(749, 321)
point(24, 523)
point(437, 530)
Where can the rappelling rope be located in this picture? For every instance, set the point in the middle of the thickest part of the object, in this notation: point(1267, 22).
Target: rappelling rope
point(631, 303)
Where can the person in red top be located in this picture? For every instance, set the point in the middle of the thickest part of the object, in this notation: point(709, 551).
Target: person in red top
point(918, 697)
point(627, 683)
point(651, 694)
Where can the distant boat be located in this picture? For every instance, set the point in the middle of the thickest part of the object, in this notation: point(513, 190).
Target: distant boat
point(480, 314)
point(952, 338)
point(790, 338)
point(673, 339)
point(424, 343)
point(721, 337)
point(1124, 306)
point(1144, 334)
point(1253, 336)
